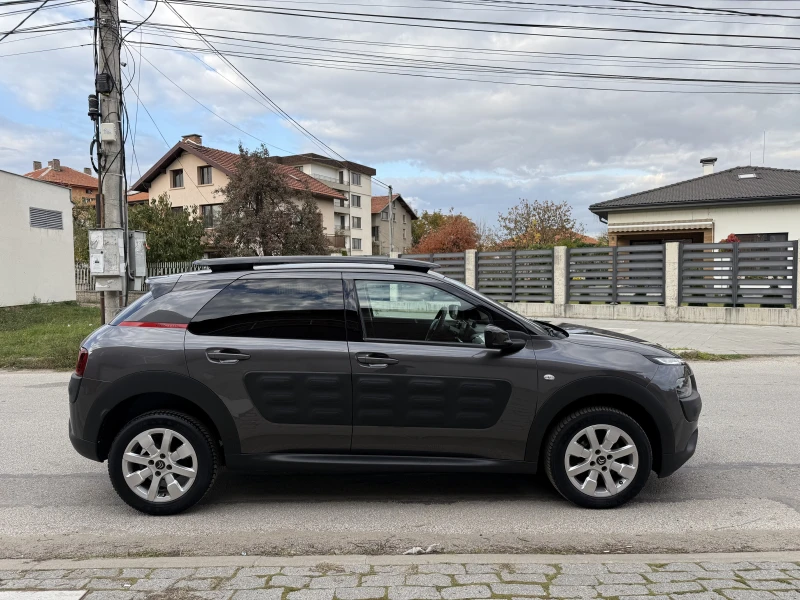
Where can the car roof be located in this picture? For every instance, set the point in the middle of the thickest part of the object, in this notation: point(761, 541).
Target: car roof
point(249, 263)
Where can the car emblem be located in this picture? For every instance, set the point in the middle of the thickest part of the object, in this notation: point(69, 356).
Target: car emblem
point(549, 377)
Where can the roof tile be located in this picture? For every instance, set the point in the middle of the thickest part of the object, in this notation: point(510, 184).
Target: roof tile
point(725, 185)
point(66, 177)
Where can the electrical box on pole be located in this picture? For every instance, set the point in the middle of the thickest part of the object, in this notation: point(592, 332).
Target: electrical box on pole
point(137, 258)
point(107, 259)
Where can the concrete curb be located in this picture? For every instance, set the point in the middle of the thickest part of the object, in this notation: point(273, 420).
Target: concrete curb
point(305, 561)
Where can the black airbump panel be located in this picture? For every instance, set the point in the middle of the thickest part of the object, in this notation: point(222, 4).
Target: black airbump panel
point(301, 398)
point(444, 402)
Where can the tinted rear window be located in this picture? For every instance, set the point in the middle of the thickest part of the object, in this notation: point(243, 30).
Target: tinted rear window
point(132, 308)
point(299, 309)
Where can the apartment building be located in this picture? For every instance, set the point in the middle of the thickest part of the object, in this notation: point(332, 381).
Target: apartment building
point(400, 228)
point(191, 173)
point(351, 215)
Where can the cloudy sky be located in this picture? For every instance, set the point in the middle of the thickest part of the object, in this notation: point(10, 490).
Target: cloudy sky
point(459, 119)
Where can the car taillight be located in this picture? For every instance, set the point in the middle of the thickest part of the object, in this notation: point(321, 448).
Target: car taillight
point(83, 358)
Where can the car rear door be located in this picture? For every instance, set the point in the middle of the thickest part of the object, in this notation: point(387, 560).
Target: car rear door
point(273, 347)
point(444, 395)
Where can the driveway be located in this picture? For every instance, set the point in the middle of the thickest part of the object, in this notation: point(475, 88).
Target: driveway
point(741, 491)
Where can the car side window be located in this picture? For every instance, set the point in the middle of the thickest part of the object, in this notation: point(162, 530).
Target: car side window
point(418, 312)
point(298, 309)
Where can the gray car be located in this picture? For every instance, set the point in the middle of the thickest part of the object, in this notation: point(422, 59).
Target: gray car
point(367, 364)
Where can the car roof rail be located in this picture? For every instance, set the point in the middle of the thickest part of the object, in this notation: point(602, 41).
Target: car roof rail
point(249, 263)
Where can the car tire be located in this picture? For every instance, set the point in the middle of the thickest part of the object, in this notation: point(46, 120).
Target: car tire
point(162, 463)
point(598, 457)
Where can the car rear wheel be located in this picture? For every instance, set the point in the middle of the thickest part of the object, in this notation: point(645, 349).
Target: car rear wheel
point(598, 457)
point(162, 463)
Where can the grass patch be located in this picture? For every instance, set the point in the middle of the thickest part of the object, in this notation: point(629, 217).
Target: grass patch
point(44, 336)
point(690, 354)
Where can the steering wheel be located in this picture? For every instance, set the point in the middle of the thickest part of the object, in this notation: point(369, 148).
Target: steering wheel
point(437, 325)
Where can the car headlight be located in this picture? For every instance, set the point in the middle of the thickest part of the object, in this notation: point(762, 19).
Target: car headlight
point(671, 361)
point(683, 386)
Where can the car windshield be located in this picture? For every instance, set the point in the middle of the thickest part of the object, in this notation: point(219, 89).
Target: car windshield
point(539, 327)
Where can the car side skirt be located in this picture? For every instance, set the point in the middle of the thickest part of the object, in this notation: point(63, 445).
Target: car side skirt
point(372, 463)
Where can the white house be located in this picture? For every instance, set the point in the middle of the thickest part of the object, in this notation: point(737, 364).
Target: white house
point(757, 204)
point(35, 241)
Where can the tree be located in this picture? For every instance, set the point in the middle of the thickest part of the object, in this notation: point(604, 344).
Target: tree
point(602, 239)
point(172, 235)
point(458, 233)
point(538, 224)
point(428, 222)
point(83, 219)
point(263, 216)
point(730, 239)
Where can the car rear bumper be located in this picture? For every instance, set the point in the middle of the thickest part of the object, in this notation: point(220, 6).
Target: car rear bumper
point(83, 447)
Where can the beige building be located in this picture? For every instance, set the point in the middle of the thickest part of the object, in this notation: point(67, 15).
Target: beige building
point(402, 216)
point(35, 241)
point(191, 174)
point(82, 185)
point(756, 204)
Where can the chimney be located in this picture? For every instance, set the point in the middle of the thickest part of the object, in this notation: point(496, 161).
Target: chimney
point(87, 170)
point(708, 164)
point(37, 164)
point(56, 164)
point(194, 138)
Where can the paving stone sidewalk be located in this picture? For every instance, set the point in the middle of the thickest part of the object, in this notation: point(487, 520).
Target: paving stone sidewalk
point(441, 581)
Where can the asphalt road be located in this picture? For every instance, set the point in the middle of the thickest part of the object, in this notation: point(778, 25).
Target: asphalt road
point(741, 491)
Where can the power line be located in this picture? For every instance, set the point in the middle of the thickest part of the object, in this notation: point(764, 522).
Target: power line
point(33, 12)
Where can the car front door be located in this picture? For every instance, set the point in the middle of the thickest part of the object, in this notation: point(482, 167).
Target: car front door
point(423, 381)
point(273, 347)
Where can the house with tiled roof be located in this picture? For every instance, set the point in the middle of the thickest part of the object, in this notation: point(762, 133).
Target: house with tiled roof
point(82, 184)
point(756, 204)
point(191, 174)
point(400, 231)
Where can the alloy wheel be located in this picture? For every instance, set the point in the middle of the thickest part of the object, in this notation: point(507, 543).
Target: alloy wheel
point(159, 465)
point(601, 460)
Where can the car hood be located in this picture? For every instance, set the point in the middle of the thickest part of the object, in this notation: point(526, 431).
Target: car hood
point(604, 338)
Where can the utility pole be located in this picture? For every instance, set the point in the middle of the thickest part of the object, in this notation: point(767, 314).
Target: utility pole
point(108, 83)
point(391, 221)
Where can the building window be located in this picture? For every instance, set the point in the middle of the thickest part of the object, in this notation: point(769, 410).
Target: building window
point(404, 218)
point(355, 178)
point(384, 216)
point(404, 233)
point(762, 237)
point(356, 244)
point(394, 217)
point(376, 232)
point(299, 167)
point(211, 214)
point(341, 176)
point(356, 222)
point(355, 201)
point(177, 209)
point(204, 175)
point(41, 218)
point(176, 178)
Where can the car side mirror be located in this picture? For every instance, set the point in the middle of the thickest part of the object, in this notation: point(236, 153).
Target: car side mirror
point(498, 339)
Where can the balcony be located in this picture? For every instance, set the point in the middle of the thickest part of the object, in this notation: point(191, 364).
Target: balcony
point(341, 206)
point(331, 181)
point(337, 241)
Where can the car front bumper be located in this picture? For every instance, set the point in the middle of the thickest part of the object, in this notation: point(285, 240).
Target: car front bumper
point(672, 462)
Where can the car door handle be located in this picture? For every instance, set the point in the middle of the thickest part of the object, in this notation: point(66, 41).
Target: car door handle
point(376, 360)
point(225, 356)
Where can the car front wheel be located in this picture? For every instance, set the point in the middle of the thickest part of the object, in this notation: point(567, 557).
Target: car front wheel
point(162, 463)
point(598, 457)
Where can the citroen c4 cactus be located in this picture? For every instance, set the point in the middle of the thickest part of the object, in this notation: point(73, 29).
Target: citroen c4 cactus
point(367, 364)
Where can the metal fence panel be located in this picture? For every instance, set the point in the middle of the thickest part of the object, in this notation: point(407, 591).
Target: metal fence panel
point(611, 275)
point(451, 264)
point(739, 274)
point(516, 275)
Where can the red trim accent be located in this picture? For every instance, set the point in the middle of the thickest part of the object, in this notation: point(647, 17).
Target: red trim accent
point(83, 358)
point(151, 324)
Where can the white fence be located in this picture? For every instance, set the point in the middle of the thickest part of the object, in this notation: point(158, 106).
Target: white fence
point(84, 282)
